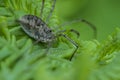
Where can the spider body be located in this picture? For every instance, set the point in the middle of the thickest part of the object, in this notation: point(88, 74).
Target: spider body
point(36, 28)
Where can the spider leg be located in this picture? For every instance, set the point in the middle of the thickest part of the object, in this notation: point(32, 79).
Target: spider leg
point(37, 41)
point(49, 44)
point(42, 7)
point(75, 31)
point(92, 26)
point(74, 43)
point(70, 30)
point(51, 11)
point(82, 20)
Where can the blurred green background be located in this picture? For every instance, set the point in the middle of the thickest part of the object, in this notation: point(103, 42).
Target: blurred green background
point(104, 14)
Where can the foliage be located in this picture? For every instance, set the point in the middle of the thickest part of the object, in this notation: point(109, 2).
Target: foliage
point(21, 60)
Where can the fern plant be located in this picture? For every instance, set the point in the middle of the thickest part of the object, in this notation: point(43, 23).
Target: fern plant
point(21, 60)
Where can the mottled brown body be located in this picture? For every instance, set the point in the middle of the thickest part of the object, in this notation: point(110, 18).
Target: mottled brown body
point(36, 28)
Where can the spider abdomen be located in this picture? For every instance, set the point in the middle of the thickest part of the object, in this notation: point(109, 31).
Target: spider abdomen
point(36, 28)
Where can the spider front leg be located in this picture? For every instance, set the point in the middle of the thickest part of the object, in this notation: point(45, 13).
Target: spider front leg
point(71, 30)
point(81, 20)
point(73, 42)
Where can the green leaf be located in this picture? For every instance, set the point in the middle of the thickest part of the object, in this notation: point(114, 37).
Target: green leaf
point(20, 59)
point(99, 61)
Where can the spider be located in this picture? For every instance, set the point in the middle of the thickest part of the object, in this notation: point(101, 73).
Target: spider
point(37, 29)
